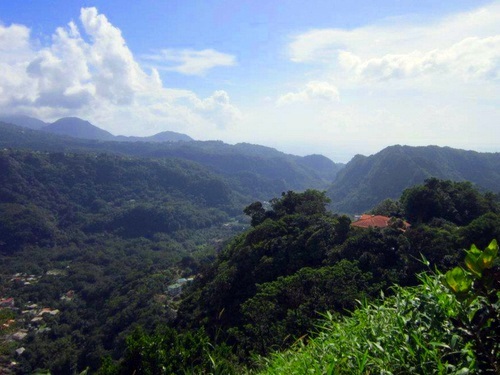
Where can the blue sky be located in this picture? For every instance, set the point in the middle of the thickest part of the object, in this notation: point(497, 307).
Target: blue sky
point(332, 77)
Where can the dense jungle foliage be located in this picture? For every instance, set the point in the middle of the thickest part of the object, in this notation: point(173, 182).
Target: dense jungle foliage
point(109, 232)
point(101, 238)
point(367, 180)
point(271, 286)
point(255, 171)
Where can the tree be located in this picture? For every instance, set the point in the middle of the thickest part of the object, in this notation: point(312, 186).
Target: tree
point(289, 307)
point(256, 212)
point(457, 202)
point(389, 207)
point(310, 202)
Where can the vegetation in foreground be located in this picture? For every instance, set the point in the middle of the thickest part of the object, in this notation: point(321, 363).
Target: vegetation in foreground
point(449, 324)
point(97, 240)
point(315, 263)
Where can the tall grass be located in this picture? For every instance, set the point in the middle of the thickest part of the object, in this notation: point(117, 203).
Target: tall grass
point(410, 332)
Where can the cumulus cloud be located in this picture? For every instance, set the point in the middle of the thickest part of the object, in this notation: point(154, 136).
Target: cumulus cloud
point(97, 77)
point(312, 90)
point(466, 45)
point(14, 43)
point(403, 80)
point(471, 58)
point(189, 61)
point(216, 104)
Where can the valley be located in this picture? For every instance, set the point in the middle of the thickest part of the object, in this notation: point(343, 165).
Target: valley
point(97, 236)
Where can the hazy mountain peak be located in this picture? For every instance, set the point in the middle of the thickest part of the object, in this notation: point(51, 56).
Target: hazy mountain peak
point(367, 180)
point(24, 121)
point(78, 128)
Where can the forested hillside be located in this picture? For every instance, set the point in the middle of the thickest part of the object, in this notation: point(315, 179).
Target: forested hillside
point(367, 180)
point(271, 285)
point(89, 244)
point(151, 257)
point(95, 193)
point(257, 171)
point(94, 247)
point(78, 128)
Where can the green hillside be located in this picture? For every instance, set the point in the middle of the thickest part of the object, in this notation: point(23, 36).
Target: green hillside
point(98, 241)
point(367, 180)
point(98, 238)
point(258, 307)
point(256, 171)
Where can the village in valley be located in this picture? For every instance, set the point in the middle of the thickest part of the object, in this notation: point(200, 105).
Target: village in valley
point(19, 319)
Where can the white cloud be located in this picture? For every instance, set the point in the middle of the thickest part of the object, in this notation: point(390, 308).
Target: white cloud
point(15, 53)
point(471, 58)
point(218, 104)
point(312, 90)
point(403, 81)
point(99, 80)
point(189, 61)
point(14, 43)
point(466, 45)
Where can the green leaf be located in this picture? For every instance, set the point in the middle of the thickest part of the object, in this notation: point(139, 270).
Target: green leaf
point(473, 261)
point(489, 254)
point(493, 246)
point(474, 250)
point(458, 280)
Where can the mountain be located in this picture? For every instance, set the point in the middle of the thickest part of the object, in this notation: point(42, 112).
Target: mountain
point(256, 172)
point(117, 228)
point(24, 121)
point(321, 163)
point(78, 128)
point(127, 196)
point(367, 180)
point(253, 168)
point(166, 136)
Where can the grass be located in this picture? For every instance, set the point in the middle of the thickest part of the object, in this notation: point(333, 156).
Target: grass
point(409, 333)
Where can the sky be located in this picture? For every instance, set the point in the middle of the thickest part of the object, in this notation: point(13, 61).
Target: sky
point(337, 78)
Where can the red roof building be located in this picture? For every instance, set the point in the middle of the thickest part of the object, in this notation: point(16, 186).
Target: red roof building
point(7, 302)
point(376, 221)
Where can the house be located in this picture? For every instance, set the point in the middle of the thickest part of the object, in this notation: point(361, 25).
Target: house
point(48, 310)
point(68, 296)
point(7, 324)
point(20, 335)
point(20, 350)
point(174, 289)
point(7, 302)
point(378, 221)
point(37, 320)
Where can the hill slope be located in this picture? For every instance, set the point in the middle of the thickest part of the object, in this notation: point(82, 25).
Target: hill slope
point(166, 136)
point(255, 171)
point(104, 193)
point(367, 180)
point(117, 229)
point(78, 128)
point(24, 121)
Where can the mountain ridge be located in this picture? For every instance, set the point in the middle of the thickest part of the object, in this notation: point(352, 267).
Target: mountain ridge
point(78, 128)
point(259, 175)
point(367, 180)
point(354, 187)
